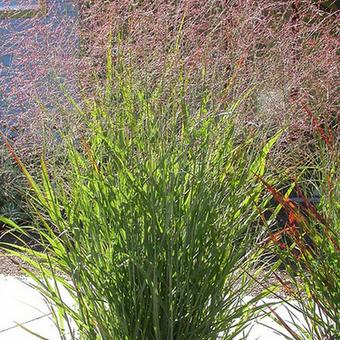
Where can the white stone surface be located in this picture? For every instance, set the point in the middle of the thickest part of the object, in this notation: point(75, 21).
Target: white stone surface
point(20, 304)
point(265, 328)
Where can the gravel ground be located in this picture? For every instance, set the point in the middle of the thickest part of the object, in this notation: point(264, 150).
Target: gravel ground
point(10, 265)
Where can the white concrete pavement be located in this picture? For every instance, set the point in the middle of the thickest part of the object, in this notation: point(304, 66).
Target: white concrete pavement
point(21, 307)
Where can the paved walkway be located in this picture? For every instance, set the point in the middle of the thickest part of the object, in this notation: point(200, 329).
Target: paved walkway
point(22, 306)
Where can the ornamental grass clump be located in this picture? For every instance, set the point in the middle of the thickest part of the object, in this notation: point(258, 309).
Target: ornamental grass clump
point(153, 228)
